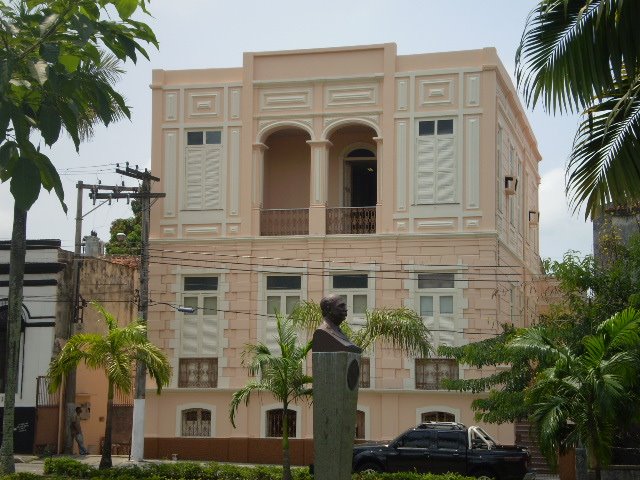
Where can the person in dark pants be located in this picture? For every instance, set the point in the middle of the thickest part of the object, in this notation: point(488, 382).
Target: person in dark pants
point(76, 432)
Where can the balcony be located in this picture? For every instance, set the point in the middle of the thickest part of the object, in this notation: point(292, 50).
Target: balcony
point(284, 221)
point(351, 220)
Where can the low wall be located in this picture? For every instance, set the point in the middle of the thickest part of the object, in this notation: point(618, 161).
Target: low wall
point(237, 450)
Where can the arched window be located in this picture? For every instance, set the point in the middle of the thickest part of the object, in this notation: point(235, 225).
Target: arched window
point(274, 423)
point(437, 417)
point(196, 422)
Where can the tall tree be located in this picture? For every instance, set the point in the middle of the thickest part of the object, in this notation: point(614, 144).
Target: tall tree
point(115, 353)
point(53, 78)
point(581, 397)
point(280, 374)
point(584, 56)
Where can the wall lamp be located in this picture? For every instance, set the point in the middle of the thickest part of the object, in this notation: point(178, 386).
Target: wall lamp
point(177, 308)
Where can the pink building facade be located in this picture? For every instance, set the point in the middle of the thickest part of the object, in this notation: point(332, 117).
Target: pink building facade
point(393, 180)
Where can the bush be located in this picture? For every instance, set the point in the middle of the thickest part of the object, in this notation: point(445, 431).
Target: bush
point(67, 467)
point(70, 468)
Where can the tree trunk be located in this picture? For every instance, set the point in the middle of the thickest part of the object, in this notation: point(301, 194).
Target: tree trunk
point(105, 461)
point(16, 277)
point(286, 457)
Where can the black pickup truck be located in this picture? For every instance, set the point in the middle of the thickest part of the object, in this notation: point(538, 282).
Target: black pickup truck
point(440, 447)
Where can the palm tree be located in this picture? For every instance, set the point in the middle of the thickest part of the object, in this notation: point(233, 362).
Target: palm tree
point(402, 328)
point(115, 353)
point(281, 374)
point(584, 56)
point(586, 395)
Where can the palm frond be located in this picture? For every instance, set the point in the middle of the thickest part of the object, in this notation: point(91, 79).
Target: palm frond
point(574, 50)
point(402, 328)
point(307, 315)
point(604, 165)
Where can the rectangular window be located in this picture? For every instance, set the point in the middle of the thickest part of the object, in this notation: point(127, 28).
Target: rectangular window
point(431, 371)
point(283, 294)
point(198, 373)
point(202, 170)
point(353, 288)
point(436, 280)
point(436, 163)
point(350, 281)
point(199, 330)
point(284, 282)
point(200, 283)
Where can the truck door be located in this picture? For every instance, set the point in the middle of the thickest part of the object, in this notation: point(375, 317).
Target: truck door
point(412, 452)
point(449, 454)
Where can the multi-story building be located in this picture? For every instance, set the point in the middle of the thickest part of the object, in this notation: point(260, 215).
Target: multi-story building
point(393, 180)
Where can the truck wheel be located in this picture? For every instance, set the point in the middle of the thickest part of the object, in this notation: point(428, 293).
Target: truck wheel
point(369, 467)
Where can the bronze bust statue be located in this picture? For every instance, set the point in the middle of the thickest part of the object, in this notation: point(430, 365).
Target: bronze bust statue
point(328, 337)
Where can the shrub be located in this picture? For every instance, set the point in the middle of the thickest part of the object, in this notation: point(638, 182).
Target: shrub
point(67, 467)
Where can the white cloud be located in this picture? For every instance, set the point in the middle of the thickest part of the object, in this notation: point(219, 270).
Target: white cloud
point(560, 230)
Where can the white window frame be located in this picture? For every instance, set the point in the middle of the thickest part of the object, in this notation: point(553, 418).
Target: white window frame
point(456, 163)
point(355, 320)
point(267, 320)
point(201, 316)
point(434, 321)
point(206, 148)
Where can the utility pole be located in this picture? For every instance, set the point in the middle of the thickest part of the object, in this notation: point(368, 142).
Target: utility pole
point(144, 194)
point(70, 382)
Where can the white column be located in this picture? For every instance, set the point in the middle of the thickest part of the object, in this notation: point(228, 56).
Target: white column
point(319, 187)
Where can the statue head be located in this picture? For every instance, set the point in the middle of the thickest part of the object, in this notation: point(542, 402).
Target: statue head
point(334, 309)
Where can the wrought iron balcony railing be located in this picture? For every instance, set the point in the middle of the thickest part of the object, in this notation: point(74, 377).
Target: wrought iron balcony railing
point(351, 220)
point(283, 221)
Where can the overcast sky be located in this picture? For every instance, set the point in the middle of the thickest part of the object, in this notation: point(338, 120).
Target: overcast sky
point(209, 34)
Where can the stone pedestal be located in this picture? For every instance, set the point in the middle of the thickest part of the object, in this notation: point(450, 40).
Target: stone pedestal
point(336, 376)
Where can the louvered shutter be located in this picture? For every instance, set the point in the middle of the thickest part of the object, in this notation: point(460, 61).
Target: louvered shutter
point(211, 177)
point(425, 170)
point(195, 158)
point(189, 337)
point(209, 335)
point(445, 171)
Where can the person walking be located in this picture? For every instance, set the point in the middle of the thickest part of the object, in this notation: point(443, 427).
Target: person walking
point(76, 431)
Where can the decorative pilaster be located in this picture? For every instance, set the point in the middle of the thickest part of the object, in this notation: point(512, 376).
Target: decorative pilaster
point(379, 184)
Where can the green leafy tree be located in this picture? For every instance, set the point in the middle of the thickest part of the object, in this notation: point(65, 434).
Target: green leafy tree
point(580, 399)
point(58, 62)
point(584, 56)
point(279, 373)
point(588, 292)
point(132, 228)
point(115, 353)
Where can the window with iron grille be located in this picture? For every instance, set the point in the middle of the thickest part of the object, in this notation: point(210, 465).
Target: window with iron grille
point(198, 373)
point(431, 371)
point(365, 372)
point(196, 422)
point(274, 423)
